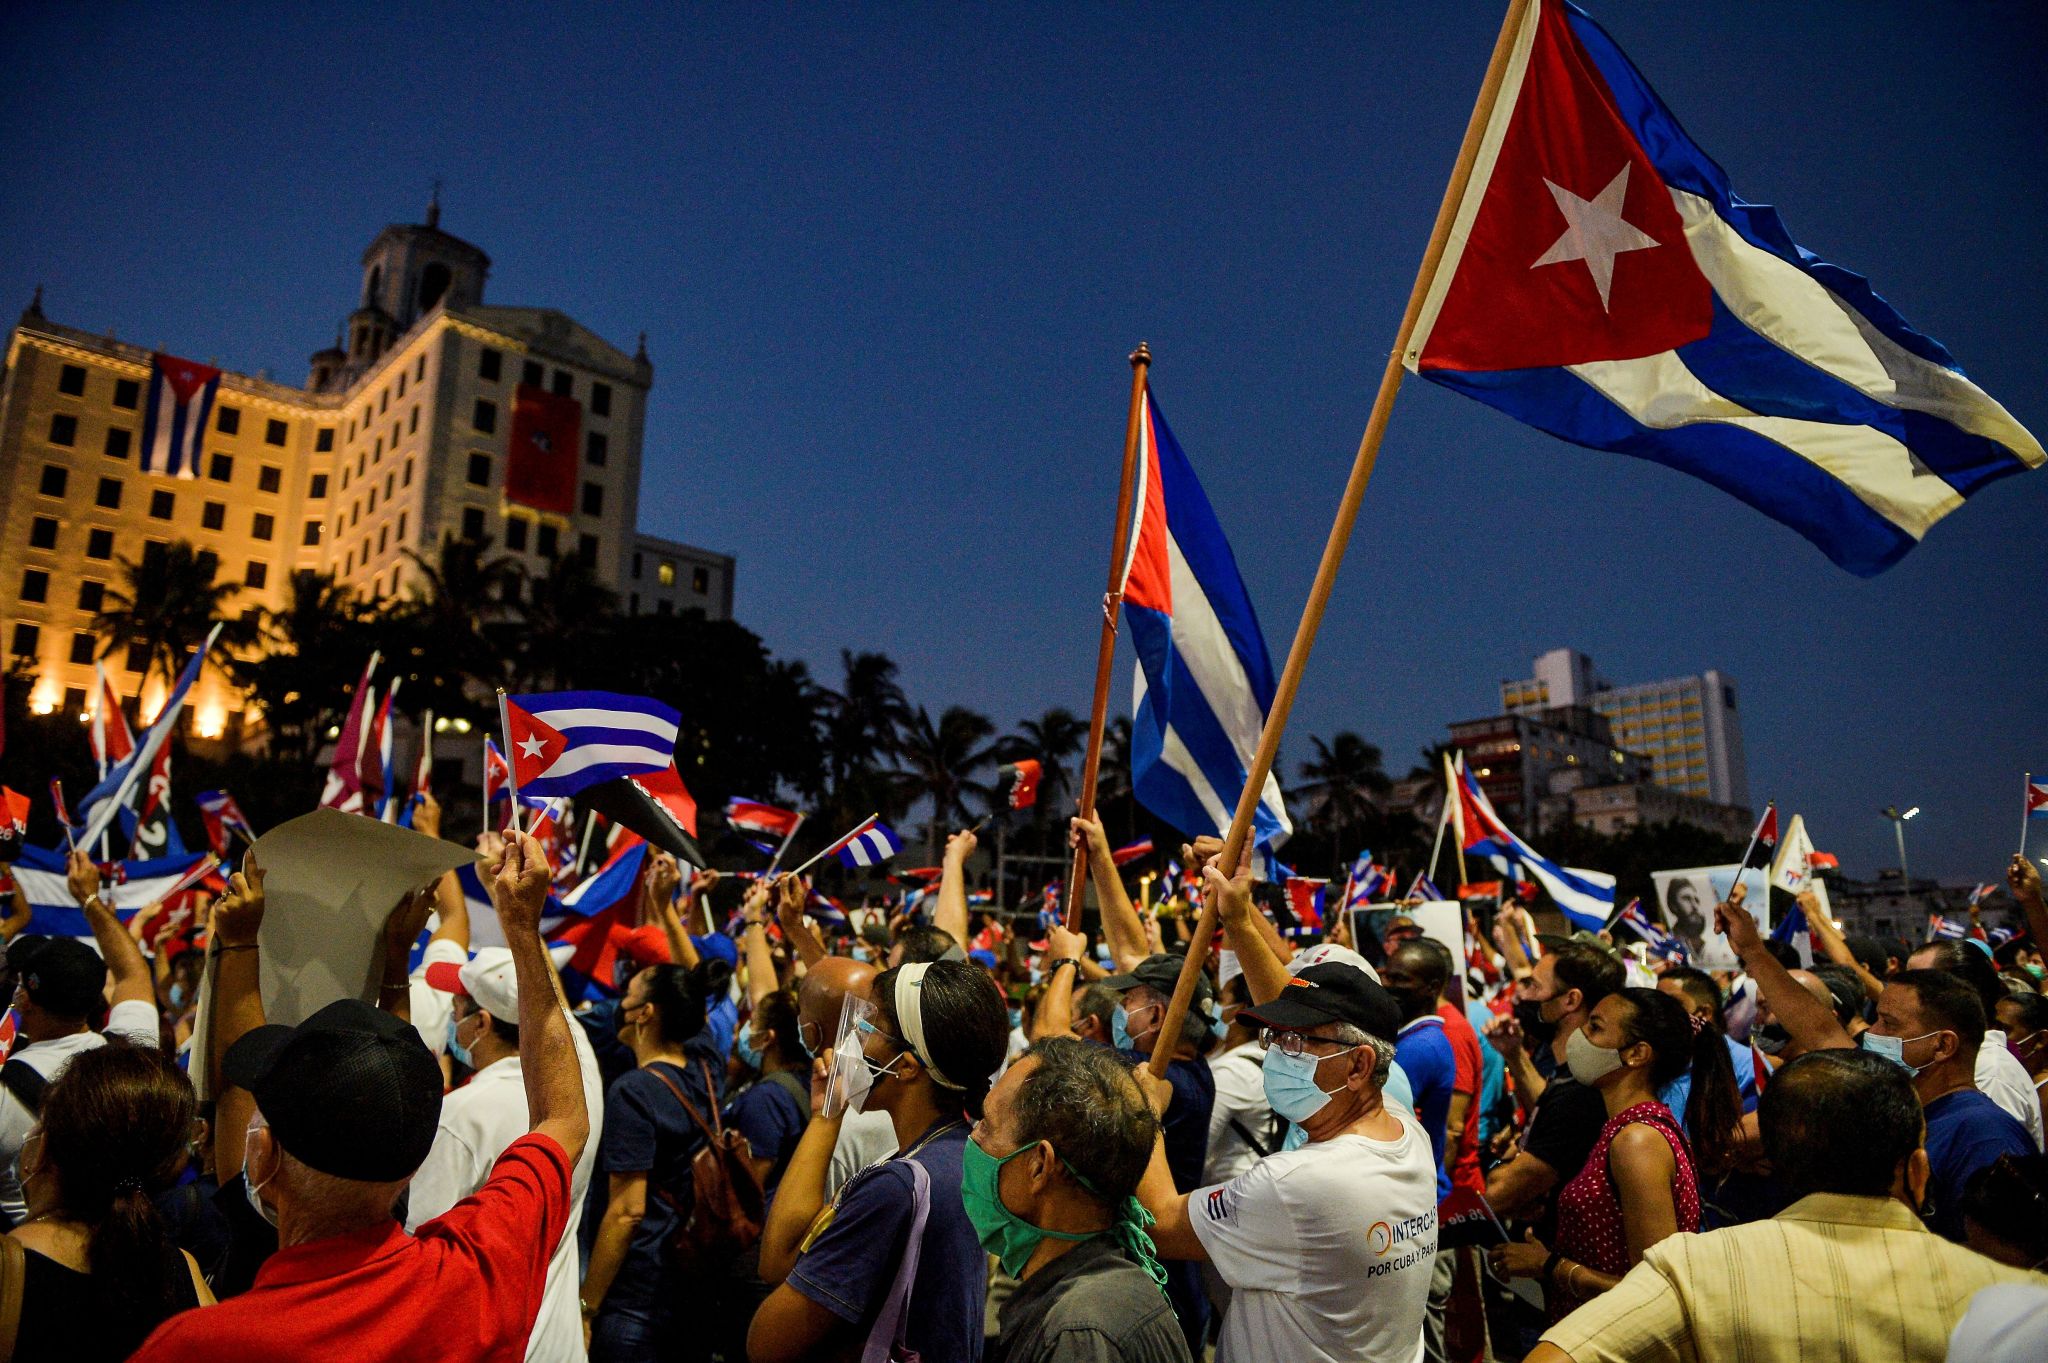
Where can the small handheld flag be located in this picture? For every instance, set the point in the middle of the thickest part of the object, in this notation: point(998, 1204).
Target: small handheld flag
point(63, 814)
point(871, 847)
point(223, 816)
point(2036, 807)
point(1131, 851)
point(752, 816)
point(1763, 840)
point(871, 822)
point(560, 742)
point(1023, 777)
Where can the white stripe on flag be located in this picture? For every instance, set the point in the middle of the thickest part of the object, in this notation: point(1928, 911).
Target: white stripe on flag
point(1661, 393)
point(586, 718)
point(590, 755)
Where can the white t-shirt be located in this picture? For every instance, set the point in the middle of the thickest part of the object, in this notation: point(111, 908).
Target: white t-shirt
point(2005, 1081)
point(1240, 1097)
point(133, 1020)
point(864, 1137)
point(1328, 1250)
point(478, 1121)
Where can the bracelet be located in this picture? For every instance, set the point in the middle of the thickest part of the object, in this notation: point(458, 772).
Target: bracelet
point(1073, 961)
point(223, 949)
point(1549, 1274)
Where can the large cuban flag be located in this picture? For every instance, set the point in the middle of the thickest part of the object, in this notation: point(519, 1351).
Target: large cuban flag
point(1204, 682)
point(117, 788)
point(181, 394)
point(1585, 897)
point(134, 886)
point(1603, 282)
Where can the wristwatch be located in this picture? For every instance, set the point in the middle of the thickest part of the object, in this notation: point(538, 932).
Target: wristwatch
point(1073, 961)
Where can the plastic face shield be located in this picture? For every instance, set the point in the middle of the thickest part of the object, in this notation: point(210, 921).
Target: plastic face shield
point(851, 1076)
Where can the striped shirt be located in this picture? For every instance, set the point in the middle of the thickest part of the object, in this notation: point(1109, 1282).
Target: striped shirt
point(1831, 1279)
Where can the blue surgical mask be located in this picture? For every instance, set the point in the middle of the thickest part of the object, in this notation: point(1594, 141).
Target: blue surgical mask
point(750, 1054)
point(456, 1048)
point(177, 994)
point(1290, 1083)
point(1297, 1136)
point(1893, 1048)
point(1016, 1017)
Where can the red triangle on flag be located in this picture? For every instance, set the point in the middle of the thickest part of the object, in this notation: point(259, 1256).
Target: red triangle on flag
point(532, 747)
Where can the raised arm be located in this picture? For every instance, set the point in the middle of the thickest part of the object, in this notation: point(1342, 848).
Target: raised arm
point(663, 876)
point(237, 1005)
point(1265, 974)
point(761, 977)
point(1063, 953)
point(1811, 1022)
point(402, 927)
point(2024, 879)
point(124, 958)
point(790, 894)
point(1833, 946)
point(800, 1196)
point(547, 1054)
point(951, 914)
point(1122, 931)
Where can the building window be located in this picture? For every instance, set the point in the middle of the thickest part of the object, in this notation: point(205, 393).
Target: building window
point(118, 441)
point(99, 544)
point(479, 470)
point(91, 595)
point(412, 423)
point(530, 373)
point(128, 394)
point(593, 499)
point(351, 431)
point(472, 523)
point(311, 534)
point(515, 534)
point(401, 383)
point(262, 525)
point(394, 437)
point(489, 365)
point(319, 487)
point(485, 418)
point(373, 502)
point(600, 399)
point(565, 383)
point(665, 573)
point(229, 421)
point(108, 494)
point(419, 373)
point(35, 586)
point(63, 429)
point(213, 516)
point(71, 379)
point(274, 432)
point(596, 448)
point(42, 533)
point(355, 515)
point(700, 581)
point(162, 505)
point(323, 440)
point(586, 549)
point(401, 527)
point(81, 647)
point(26, 637)
point(221, 467)
point(547, 542)
point(255, 575)
point(269, 478)
point(376, 458)
point(54, 480)
point(363, 460)
point(636, 565)
point(405, 475)
point(136, 659)
point(348, 561)
point(344, 477)
point(383, 537)
point(384, 402)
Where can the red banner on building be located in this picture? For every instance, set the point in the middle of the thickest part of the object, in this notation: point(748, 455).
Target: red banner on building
point(540, 458)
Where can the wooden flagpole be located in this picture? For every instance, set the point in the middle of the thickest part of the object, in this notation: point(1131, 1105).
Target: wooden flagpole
point(1105, 648)
point(1340, 533)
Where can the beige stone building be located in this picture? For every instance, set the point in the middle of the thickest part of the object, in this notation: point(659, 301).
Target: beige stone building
point(398, 439)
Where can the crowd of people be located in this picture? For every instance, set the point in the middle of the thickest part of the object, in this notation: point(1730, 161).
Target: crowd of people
point(950, 1136)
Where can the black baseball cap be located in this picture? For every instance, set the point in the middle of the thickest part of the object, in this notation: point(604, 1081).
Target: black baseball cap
point(1332, 992)
point(1161, 972)
point(351, 1091)
point(62, 976)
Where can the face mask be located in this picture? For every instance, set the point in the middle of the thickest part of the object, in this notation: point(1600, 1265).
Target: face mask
point(251, 1188)
point(1772, 1038)
point(1893, 1048)
point(1002, 1232)
point(1290, 1083)
point(862, 954)
point(857, 1073)
point(1297, 1136)
point(1016, 1017)
point(178, 994)
point(622, 1024)
point(1120, 1029)
point(750, 1054)
point(1537, 1028)
point(1588, 1063)
point(455, 1047)
point(2036, 971)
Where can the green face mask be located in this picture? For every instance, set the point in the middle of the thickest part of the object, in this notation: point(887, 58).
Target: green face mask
point(1002, 1232)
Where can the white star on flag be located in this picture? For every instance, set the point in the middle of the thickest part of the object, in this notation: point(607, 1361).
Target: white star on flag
point(530, 746)
point(1595, 232)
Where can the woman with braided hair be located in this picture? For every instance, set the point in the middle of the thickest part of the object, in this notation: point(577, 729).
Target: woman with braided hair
point(93, 1269)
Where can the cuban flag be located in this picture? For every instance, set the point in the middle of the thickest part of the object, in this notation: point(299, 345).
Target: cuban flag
point(1661, 943)
point(344, 787)
point(117, 788)
point(754, 817)
point(1423, 888)
point(128, 886)
point(563, 741)
point(222, 817)
point(1939, 929)
point(869, 845)
point(1586, 898)
point(181, 394)
point(826, 910)
point(1305, 895)
point(380, 743)
point(109, 734)
point(1131, 851)
point(1604, 283)
point(1203, 682)
point(2037, 799)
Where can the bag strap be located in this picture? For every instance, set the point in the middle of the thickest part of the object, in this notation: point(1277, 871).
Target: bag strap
point(1245, 1135)
point(710, 1131)
point(799, 1090)
point(199, 1286)
point(25, 1082)
point(13, 1276)
point(886, 1339)
point(711, 1097)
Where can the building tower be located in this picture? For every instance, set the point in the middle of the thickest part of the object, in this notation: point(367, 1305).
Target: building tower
point(408, 271)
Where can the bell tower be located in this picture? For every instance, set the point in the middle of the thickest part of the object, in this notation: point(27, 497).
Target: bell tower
point(408, 271)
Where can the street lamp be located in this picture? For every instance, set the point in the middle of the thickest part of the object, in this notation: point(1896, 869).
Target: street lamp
point(1899, 827)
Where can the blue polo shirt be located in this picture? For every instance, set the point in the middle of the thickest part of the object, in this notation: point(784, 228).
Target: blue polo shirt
point(1425, 1054)
point(1966, 1132)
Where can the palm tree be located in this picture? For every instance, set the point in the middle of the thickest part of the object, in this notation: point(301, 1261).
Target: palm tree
point(164, 606)
point(1344, 785)
point(939, 762)
point(564, 613)
point(313, 650)
point(864, 723)
point(462, 595)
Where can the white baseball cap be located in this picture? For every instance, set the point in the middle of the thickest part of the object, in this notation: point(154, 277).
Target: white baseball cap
point(1329, 953)
point(487, 977)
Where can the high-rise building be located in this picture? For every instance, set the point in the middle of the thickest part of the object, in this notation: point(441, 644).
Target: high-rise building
point(1687, 727)
point(404, 434)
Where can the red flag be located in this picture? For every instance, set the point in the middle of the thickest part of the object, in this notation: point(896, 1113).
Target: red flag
point(57, 799)
point(1763, 843)
point(541, 457)
point(535, 745)
point(111, 738)
point(1130, 852)
point(666, 789)
point(1024, 777)
point(344, 790)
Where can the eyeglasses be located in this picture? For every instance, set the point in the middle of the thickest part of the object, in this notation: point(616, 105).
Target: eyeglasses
point(1295, 1044)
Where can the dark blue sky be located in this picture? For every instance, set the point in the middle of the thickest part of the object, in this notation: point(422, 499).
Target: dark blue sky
point(890, 263)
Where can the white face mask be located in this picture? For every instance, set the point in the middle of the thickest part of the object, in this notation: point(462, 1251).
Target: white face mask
point(251, 1188)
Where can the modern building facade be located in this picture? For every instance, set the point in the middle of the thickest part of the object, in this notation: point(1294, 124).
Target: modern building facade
point(405, 433)
point(1687, 727)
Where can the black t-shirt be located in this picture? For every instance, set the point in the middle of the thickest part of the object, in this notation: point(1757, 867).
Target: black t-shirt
point(63, 1320)
point(1562, 1131)
point(1088, 1305)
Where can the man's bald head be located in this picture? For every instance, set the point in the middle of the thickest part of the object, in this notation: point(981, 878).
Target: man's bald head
point(822, 994)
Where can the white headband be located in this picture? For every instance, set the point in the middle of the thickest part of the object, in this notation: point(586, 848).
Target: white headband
point(910, 1017)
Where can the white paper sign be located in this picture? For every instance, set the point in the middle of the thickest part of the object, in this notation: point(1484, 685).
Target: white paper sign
point(1687, 899)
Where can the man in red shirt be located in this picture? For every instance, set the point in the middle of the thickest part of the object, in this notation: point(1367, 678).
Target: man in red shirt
point(346, 1107)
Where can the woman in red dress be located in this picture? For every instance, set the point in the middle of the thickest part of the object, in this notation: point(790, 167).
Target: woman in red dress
point(1637, 1185)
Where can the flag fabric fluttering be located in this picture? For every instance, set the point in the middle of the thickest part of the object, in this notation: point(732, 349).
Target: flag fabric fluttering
point(1669, 945)
point(222, 817)
point(1022, 777)
point(1604, 283)
point(870, 845)
point(344, 787)
point(64, 818)
point(1586, 898)
point(109, 734)
point(151, 831)
point(1763, 842)
point(1306, 896)
point(1422, 887)
point(116, 790)
point(1792, 867)
point(13, 822)
point(656, 805)
point(1131, 851)
point(752, 816)
point(1945, 929)
point(379, 747)
point(1983, 890)
point(564, 741)
point(127, 887)
point(1203, 681)
point(181, 394)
